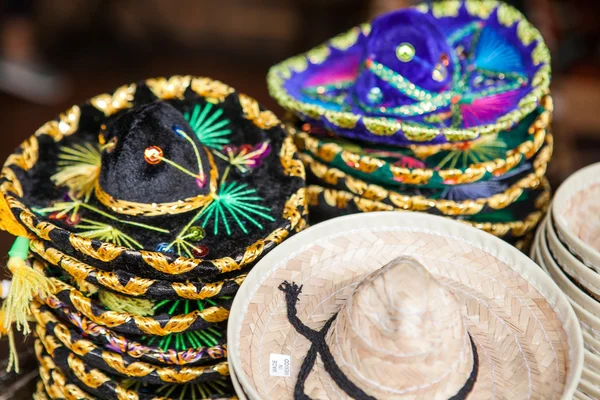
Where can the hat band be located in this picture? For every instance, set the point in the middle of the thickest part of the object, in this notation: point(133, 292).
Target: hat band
point(155, 209)
point(319, 346)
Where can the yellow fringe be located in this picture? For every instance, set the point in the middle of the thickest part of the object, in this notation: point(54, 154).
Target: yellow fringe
point(115, 302)
point(26, 283)
point(13, 359)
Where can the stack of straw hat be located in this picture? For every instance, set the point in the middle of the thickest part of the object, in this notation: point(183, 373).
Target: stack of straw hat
point(391, 305)
point(567, 246)
point(138, 215)
point(441, 108)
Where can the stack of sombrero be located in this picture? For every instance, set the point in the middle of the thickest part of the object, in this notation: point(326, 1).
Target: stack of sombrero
point(138, 216)
point(567, 246)
point(401, 306)
point(443, 109)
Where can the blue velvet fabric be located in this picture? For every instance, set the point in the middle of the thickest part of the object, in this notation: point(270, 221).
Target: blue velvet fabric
point(387, 33)
point(489, 71)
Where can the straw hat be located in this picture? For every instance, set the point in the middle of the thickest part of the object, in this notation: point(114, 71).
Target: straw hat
point(575, 211)
point(378, 322)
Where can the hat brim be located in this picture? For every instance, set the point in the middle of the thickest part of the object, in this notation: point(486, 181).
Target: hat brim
point(573, 218)
point(93, 381)
point(395, 167)
point(27, 186)
point(108, 338)
point(338, 60)
point(481, 199)
point(518, 317)
point(511, 223)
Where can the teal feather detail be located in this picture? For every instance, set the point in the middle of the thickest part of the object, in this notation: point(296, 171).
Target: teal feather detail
point(494, 53)
point(211, 130)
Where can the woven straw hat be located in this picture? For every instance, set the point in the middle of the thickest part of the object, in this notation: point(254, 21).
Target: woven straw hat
point(575, 210)
point(506, 330)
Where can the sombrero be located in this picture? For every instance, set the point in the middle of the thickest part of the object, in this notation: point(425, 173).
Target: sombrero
point(451, 71)
point(153, 178)
point(402, 305)
point(429, 166)
point(510, 224)
point(466, 199)
point(575, 212)
point(70, 373)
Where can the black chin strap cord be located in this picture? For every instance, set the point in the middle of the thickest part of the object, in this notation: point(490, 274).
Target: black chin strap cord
point(319, 346)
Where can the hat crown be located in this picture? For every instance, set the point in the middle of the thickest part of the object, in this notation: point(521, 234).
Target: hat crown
point(145, 153)
point(404, 51)
point(402, 331)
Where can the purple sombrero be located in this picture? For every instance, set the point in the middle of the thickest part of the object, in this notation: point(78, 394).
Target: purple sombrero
point(449, 72)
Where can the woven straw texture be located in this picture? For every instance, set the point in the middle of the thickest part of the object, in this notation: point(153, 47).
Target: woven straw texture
point(526, 335)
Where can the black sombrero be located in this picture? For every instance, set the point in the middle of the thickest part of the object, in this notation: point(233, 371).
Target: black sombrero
point(154, 177)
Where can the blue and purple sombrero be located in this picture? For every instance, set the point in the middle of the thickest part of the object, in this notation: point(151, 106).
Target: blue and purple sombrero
point(445, 73)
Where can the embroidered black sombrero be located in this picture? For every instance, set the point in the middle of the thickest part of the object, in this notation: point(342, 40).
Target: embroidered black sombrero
point(451, 71)
point(174, 178)
point(62, 371)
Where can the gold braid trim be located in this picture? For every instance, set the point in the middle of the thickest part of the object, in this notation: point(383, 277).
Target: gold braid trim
point(292, 213)
point(172, 88)
point(159, 262)
point(420, 203)
point(45, 316)
point(156, 209)
point(291, 166)
point(212, 90)
point(420, 176)
point(12, 183)
point(115, 361)
point(60, 389)
point(262, 119)
point(148, 325)
point(121, 99)
point(28, 157)
point(106, 252)
point(67, 124)
point(40, 390)
point(135, 286)
point(41, 230)
point(187, 291)
point(340, 199)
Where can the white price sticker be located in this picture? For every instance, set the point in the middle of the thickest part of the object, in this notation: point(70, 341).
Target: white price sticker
point(280, 365)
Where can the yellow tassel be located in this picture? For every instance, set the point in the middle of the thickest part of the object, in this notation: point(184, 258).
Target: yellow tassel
point(13, 359)
point(26, 283)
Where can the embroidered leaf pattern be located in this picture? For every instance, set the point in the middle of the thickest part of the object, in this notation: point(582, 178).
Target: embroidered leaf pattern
point(106, 233)
point(483, 149)
point(211, 130)
point(78, 169)
point(238, 202)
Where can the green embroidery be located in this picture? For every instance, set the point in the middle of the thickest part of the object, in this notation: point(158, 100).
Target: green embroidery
point(194, 391)
point(106, 233)
point(238, 201)
point(210, 130)
point(483, 149)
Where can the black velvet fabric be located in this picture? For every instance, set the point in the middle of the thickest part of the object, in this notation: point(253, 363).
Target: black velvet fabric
point(126, 175)
point(108, 390)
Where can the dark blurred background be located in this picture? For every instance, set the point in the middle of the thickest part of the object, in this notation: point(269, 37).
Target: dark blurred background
point(56, 53)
